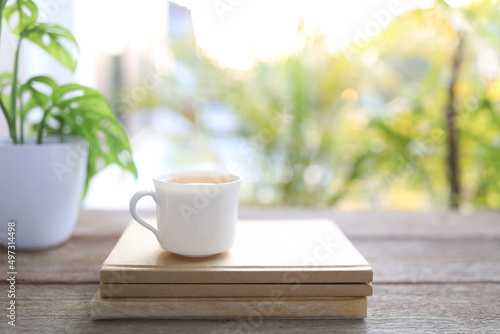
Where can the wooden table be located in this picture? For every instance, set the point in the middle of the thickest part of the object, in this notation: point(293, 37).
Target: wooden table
point(433, 272)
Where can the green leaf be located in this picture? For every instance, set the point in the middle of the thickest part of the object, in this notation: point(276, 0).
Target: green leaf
point(5, 79)
point(89, 115)
point(28, 14)
point(55, 40)
point(39, 98)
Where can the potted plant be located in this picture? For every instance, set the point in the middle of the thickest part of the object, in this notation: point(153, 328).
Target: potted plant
point(47, 162)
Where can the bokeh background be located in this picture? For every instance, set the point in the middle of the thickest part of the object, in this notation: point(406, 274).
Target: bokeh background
point(386, 105)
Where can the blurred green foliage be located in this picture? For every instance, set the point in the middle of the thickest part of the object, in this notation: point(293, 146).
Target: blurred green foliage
point(365, 127)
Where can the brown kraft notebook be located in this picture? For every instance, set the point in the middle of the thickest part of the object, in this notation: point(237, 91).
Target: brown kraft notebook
point(264, 252)
point(228, 308)
point(236, 290)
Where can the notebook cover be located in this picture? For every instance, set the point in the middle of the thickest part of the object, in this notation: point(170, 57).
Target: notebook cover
point(228, 308)
point(265, 251)
point(235, 290)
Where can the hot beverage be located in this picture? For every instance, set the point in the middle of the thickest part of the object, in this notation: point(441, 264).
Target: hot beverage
point(198, 179)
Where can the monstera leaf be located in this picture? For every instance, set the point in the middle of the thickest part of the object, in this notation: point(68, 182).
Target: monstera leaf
point(84, 112)
point(56, 41)
point(21, 16)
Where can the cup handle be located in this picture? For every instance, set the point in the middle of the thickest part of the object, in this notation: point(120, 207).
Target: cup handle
point(133, 203)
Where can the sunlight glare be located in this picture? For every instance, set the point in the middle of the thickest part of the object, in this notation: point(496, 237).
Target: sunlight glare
point(236, 33)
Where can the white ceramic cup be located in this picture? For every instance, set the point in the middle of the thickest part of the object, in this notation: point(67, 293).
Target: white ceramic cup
point(194, 219)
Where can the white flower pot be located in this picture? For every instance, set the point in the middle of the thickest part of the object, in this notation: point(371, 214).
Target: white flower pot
point(40, 189)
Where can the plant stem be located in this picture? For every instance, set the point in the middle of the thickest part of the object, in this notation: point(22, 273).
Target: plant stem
point(451, 114)
point(13, 98)
point(42, 126)
point(21, 117)
point(2, 105)
point(2, 5)
point(4, 110)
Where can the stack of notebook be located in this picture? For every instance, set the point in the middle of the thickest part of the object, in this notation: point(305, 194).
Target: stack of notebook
point(276, 269)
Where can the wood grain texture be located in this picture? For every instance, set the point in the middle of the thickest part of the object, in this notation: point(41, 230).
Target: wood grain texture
point(433, 273)
point(394, 308)
point(80, 259)
point(372, 225)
